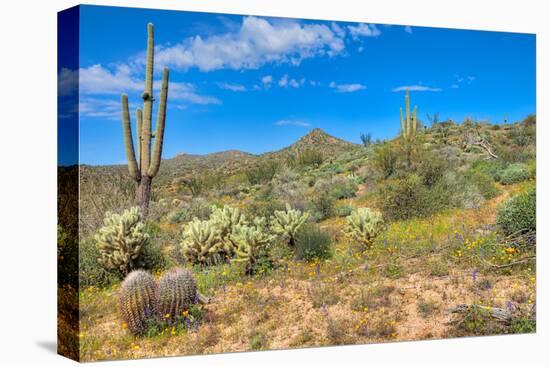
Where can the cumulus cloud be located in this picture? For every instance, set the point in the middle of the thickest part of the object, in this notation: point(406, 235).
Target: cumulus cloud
point(232, 87)
point(347, 88)
point(363, 30)
point(67, 82)
point(256, 43)
point(292, 123)
point(416, 88)
point(267, 79)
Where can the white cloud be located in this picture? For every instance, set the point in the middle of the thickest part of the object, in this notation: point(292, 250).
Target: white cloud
point(257, 42)
point(67, 82)
point(454, 86)
point(408, 29)
point(232, 87)
point(347, 88)
point(283, 82)
point(416, 88)
point(267, 79)
point(292, 122)
point(364, 30)
point(98, 80)
point(109, 109)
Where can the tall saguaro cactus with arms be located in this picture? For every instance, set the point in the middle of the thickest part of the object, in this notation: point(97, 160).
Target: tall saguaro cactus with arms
point(147, 164)
point(409, 122)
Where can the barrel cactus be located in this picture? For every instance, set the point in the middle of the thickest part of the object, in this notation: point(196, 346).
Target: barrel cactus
point(251, 241)
point(287, 222)
point(121, 240)
point(138, 300)
point(201, 242)
point(177, 292)
point(363, 225)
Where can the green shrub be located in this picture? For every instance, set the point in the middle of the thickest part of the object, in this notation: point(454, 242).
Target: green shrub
point(514, 173)
point(491, 167)
point(405, 198)
point(322, 206)
point(306, 158)
point(344, 210)
point(385, 160)
point(518, 213)
point(313, 243)
point(91, 272)
point(431, 168)
point(67, 259)
point(263, 208)
point(343, 189)
point(484, 183)
point(453, 190)
point(262, 173)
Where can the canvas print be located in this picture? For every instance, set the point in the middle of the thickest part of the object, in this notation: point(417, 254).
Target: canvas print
point(232, 183)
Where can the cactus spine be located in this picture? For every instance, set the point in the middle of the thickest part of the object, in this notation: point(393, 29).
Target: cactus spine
point(363, 225)
point(409, 123)
point(138, 300)
point(177, 292)
point(286, 223)
point(147, 165)
point(121, 239)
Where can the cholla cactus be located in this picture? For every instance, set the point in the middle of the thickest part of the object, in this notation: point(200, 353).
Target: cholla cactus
point(121, 239)
point(226, 219)
point(286, 223)
point(251, 241)
point(201, 242)
point(177, 292)
point(363, 225)
point(138, 300)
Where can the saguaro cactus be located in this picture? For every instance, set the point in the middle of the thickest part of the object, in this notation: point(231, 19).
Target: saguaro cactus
point(408, 124)
point(147, 164)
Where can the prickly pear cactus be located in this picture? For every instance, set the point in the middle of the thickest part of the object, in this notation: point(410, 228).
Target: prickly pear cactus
point(363, 225)
point(138, 300)
point(201, 243)
point(177, 292)
point(286, 223)
point(121, 239)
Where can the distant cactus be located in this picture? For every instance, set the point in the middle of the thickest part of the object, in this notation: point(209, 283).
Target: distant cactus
point(121, 240)
point(286, 223)
point(201, 242)
point(147, 164)
point(363, 225)
point(138, 300)
point(250, 241)
point(177, 292)
point(409, 122)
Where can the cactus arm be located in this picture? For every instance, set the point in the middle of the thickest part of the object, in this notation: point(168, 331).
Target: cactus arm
point(128, 141)
point(414, 120)
point(159, 133)
point(139, 123)
point(408, 112)
point(402, 121)
point(147, 101)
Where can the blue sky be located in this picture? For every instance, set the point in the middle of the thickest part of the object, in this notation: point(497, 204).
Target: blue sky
point(257, 84)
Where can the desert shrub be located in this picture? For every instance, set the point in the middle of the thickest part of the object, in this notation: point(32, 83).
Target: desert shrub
point(484, 183)
point(518, 213)
point(366, 139)
point(343, 188)
point(405, 198)
point(262, 173)
point(431, 168)
point(91, 272)
point(514, 173)
point(288, 188)
point(453, 190)
point(67, 258)
point(491, 167)
point(306, 158)
point(322, 206)
point(313, 243)
point(385, 160)
point(151, 257)
point(197, 208)
point(344, 210)
point(263, 208)
point(363, 226)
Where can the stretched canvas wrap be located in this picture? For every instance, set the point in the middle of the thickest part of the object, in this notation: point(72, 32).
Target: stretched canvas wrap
point(241, 183)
